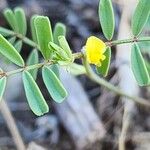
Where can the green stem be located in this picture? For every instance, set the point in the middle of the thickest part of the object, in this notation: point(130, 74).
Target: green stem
point(125, 41)
point(109, 86)
point(27, 40)
point(39, 65)
point(90, 73)
point(31, 67)
point(109, 43)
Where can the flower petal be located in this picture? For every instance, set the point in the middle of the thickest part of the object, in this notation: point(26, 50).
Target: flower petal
point(94, 50)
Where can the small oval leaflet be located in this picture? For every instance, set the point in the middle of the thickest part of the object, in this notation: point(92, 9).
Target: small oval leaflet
point(103, 69)
point(18, 45)
point(33, 59)
point(21, 20)
point(44, 35)
point(12, 40)
point(140, 16)
point(147, 65)
point(2, 86)
point(65, 46)
point(138, 66)
point(75, 69)
point(33, 31)
point(106, 17)
point(61, 53)
point(11, 19)
point(5, 32)
point(10, 52)
point(34, 96)
point(55, 69)
point(54, 85)
point(59, 29)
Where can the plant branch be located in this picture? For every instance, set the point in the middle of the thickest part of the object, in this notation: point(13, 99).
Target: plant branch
point(30, 67)
point(109, 86)
point(90, 73)
point(35, 66)
point(35, 45)
point(27, 40)
point(126, 41)
point(111, 43)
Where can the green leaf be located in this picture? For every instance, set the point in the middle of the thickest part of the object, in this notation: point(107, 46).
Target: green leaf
point(12, 40)
point(59, 29)
point(10, 52)
point(106, 17)
point(65, 46)
point(33, 31)
point(138, 66)
point(140, 16)
point(53, 84)
point(34, 96)
point(44, 35)
point(103, 69)
point(21, 20)
point(18, 45)
point(6, 32)
point(63, 63)
point(144, 46)
point(75, 69)
point(2, 86)
point(58, 50)
point(11, 19)
point(147, 65)
point(33, 59)
point(55, 69)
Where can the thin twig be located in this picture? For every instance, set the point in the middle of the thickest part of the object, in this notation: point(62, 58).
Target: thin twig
point(35, 66)
point(109, 86)
point(11, 125)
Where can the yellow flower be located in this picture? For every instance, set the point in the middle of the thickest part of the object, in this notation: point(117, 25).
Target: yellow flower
point(95, 49)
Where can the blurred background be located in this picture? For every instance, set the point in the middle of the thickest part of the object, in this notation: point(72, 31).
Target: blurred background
point(92, 117)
